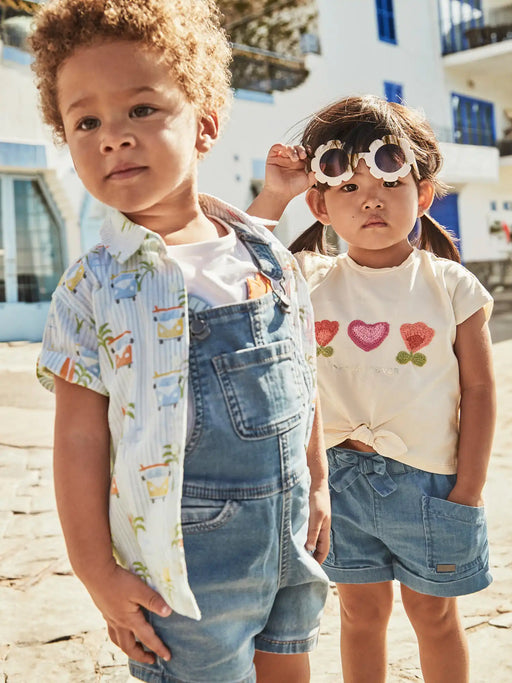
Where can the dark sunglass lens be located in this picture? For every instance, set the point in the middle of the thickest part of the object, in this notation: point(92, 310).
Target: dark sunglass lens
point(334, 163)
point(389, 158)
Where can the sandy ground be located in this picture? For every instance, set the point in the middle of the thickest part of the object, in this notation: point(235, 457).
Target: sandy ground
point(50, 632)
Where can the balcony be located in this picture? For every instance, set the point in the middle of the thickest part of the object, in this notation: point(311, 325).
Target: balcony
point(467, 25)
point(265, 71)
point(469, 156)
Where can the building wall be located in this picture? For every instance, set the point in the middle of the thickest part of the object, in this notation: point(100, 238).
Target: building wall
point(354, 61)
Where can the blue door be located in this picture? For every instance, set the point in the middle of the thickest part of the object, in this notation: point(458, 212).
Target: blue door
point(446, 212)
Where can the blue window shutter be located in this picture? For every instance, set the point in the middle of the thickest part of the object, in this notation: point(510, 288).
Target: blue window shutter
point(393, 92)
point(446, 211)
point(386, 21)
point(473, 121)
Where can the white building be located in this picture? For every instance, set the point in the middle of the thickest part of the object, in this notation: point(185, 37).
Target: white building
point(451, 58)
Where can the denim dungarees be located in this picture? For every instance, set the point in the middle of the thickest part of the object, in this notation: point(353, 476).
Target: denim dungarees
point(245, 494)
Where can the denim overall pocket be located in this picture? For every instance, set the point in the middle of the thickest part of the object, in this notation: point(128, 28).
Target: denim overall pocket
point(203, 514)
point(261, 389)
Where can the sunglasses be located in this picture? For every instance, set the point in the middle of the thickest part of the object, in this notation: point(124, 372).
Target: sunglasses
point(388, 158)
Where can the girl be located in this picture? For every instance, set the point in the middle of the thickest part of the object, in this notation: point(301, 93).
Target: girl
point(405, 380)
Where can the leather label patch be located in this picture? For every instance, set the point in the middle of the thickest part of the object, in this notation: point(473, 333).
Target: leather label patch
point(443, 568)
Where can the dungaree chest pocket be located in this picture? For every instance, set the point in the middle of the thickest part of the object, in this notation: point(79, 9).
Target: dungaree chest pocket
point(262, 390)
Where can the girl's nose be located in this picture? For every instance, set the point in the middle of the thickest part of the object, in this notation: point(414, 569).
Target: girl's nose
point(373, 203)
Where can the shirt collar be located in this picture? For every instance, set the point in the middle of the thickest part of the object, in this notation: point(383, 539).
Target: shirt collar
point(122, 237)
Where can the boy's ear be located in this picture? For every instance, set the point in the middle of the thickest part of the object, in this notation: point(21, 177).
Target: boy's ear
point(316, 202)
point(425, 196)
point(207, 132)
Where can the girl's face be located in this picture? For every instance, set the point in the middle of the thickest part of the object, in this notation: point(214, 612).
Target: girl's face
point(372, 216)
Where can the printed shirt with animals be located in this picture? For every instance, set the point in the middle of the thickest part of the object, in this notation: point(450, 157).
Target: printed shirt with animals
point(118, 325)
point(387, 372)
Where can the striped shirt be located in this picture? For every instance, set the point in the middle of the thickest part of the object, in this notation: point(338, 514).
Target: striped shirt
point(118, 325)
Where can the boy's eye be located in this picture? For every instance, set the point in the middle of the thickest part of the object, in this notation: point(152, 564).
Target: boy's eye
point(394, 183)
point(88, 123)
point(141, 110)
point(350, 187)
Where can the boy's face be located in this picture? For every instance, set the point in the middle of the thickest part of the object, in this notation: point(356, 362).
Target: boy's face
point(133, 136)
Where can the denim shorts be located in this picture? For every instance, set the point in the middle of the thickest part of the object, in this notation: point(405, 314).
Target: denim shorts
point(257, 587)
point(392, 521)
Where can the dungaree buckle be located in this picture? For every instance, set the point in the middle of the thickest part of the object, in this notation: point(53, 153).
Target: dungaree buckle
point(283, 300)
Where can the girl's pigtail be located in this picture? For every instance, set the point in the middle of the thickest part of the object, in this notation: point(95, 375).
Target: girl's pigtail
point(437, 239)
point(312, 239)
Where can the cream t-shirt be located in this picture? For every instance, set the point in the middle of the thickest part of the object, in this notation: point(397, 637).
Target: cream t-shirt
point(387, 372)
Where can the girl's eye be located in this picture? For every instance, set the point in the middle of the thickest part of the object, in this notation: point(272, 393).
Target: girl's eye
point(391, 183)
point(89, 123)
point(350, 187)
point(141, 110)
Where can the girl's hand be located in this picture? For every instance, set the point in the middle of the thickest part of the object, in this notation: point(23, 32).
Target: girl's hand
point(119, 596)
point(285, 177)
point(319, 521)
point(457, 495)
point(285, 171)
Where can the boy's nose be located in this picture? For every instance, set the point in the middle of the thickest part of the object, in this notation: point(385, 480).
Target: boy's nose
point(113, 141)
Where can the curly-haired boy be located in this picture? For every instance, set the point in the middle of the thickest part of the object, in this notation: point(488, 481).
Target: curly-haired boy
point(182, 357)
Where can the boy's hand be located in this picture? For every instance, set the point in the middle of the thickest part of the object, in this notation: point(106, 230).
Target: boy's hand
point(319, 521)
point(119, 596)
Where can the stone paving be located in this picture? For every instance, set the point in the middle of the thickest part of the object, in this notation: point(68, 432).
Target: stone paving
point(50, 632)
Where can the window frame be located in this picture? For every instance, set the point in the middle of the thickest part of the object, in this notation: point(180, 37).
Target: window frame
point(9, 229)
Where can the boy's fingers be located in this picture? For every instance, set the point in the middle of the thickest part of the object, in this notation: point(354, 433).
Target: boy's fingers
point(146, 634)
point(153, 601)
point(125, 639)
point(313, 533)
point(322, 544)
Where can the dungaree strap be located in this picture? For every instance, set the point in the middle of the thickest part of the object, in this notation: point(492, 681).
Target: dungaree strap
point(263, 256)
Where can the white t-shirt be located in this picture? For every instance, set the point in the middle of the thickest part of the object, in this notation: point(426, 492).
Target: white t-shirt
point(218, 272)
point(387, 372)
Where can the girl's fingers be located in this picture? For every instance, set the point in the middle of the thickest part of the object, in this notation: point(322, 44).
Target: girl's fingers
point(293, 152)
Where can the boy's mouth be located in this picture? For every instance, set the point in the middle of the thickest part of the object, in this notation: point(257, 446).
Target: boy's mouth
point(123, 171)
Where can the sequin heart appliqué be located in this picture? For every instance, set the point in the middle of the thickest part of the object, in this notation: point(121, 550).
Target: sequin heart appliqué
point(367, 336)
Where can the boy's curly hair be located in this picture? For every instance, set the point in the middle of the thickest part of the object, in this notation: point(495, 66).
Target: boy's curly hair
point(186, 32)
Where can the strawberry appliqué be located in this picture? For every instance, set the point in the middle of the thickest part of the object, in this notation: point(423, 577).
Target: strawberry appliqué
point(325, 331)
point(416, 336)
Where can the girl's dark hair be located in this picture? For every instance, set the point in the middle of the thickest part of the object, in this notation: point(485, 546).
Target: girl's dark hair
point(357, 122)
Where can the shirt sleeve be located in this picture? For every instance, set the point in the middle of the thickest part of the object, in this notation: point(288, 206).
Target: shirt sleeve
point(70, 346)
point(468, 294)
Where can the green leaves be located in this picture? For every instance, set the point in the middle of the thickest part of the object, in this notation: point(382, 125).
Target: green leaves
point(419, 359)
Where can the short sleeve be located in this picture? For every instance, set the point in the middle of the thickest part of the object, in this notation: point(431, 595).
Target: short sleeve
point(70, 344)
point(314, 267)
point(468, 293)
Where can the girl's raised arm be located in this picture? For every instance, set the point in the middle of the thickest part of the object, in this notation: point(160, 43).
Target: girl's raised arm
point(285, 178)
